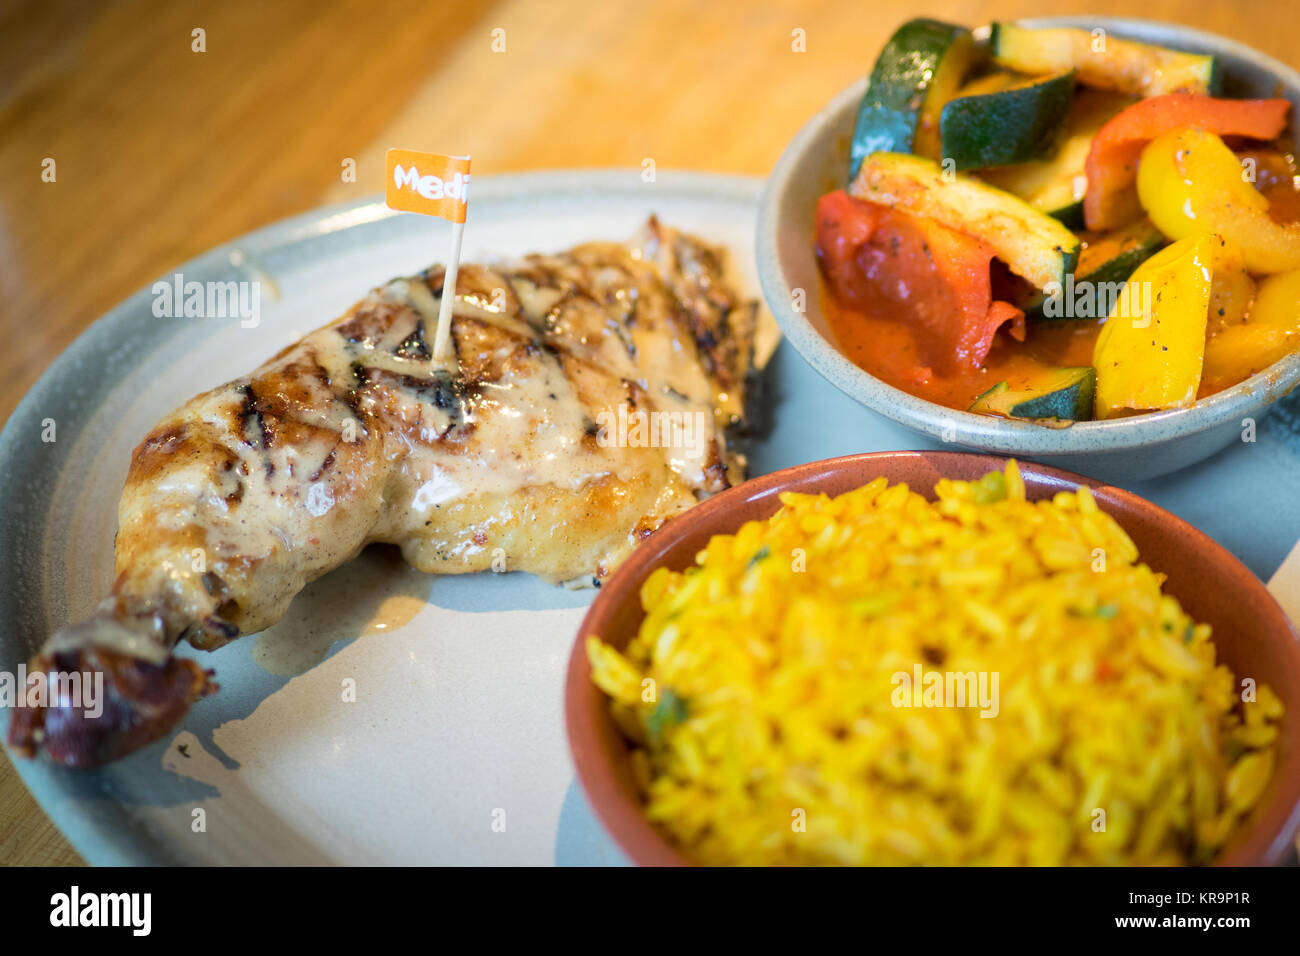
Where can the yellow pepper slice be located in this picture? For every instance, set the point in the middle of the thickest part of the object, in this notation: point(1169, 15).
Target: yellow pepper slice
point(1270, 332)
point(1189, 182)
point(1232, 291)
point(1150, 350)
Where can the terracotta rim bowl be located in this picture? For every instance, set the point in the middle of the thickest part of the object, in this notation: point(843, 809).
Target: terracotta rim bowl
point(1253, 634)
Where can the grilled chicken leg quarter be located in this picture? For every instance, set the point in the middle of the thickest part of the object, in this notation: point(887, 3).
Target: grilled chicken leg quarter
point(520, 450)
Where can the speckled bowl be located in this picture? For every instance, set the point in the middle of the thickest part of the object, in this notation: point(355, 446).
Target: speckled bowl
point(1124, 450)
point(1252, 633)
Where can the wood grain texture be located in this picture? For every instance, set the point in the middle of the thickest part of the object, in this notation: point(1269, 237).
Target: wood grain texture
point(162, 152)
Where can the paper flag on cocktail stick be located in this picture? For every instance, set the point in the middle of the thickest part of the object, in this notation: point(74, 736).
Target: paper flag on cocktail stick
point(433, 185)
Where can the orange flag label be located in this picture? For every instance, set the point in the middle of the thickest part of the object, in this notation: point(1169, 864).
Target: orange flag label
point(428, 183)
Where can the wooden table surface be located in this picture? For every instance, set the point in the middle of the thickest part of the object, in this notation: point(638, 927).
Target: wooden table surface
point(161, 152)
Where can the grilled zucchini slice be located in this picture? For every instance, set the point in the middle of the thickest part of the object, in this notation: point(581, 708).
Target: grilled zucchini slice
point(920, 68)
point(1056, 185)
point(1018, 122)
point(1032, 244)
point(1106, 260)
point(1062, 394)
point(1103, 61)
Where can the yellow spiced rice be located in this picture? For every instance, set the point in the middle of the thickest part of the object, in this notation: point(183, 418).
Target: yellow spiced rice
point(765, 695)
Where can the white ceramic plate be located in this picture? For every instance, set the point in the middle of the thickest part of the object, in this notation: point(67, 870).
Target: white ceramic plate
point(454, 750)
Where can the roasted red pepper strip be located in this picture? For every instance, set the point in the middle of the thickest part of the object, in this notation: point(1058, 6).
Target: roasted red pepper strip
point(1113, 159)
point(908, 268)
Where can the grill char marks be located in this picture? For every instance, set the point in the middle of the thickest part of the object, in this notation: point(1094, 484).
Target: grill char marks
point(324, 467)
point(254, 426)
point(442, 390)
point(426, 409)
point(414, 346)
point(158, 452)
